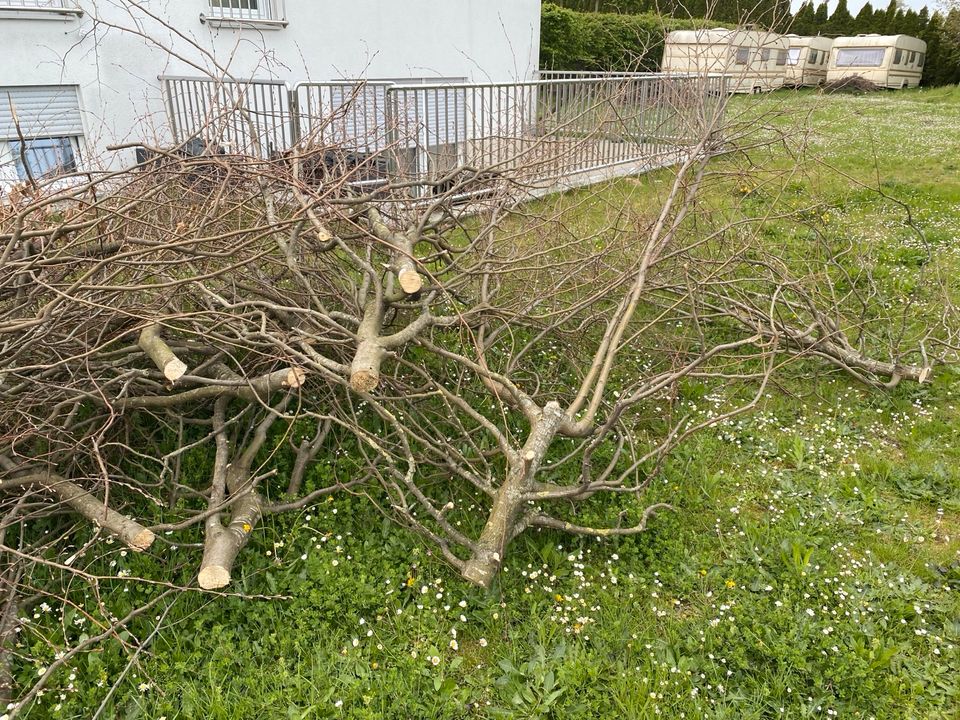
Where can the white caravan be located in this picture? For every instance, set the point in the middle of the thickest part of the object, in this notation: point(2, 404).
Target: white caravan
point(890, 61)
point(807, 60)
point(752, 60)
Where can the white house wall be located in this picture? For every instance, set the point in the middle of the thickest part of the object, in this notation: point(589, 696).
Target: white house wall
point(116, 51)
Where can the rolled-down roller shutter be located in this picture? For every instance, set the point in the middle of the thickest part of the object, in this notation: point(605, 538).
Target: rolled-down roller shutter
point(41, 111)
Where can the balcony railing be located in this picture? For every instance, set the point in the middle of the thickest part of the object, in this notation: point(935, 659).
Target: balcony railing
point(246, 12)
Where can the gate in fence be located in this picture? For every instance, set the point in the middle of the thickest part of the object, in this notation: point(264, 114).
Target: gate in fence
point(540, 133)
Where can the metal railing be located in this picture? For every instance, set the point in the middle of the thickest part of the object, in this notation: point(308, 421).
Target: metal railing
point(58, 6)
point(539, 133)
point(236, 116)
point(247, 10)
point(588, 74)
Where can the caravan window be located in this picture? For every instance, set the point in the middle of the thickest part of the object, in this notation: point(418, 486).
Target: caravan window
point(913, 56)
point(765, 55)
point(793, 56)
point(860, 57)
point(743, 56)
point(920, 59)
point(813, 57)
point(898, 57)
point(781, 57)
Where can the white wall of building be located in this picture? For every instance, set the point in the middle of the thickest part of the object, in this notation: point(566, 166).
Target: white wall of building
point(117, 49)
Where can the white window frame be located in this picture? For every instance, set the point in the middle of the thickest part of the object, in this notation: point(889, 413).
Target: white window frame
point(853, 57)
point(75, 145)
point(9, 178)
point(267, 15)
point(39, 10)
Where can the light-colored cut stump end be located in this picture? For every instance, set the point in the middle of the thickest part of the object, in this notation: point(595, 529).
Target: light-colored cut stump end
point(142, 540)
point(924, 375)
point(213, 577)
point(364, 380)
point(410, 281)
point(480, 575)
point(295, 378)
point(174, 369)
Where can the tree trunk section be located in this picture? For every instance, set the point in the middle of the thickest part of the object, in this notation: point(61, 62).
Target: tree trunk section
point(132, 533)
point(223, 544)
point(172, 367)
point(488, 554)
point(365, 368)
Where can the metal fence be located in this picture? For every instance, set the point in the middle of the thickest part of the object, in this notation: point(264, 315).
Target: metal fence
point(539, 133)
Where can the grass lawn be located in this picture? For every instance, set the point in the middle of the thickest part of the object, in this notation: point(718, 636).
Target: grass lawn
point(812, 569)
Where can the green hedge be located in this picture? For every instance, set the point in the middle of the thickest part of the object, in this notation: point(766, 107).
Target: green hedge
point(571, 40)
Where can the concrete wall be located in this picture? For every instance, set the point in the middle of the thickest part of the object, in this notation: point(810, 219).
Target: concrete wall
point(117, 49)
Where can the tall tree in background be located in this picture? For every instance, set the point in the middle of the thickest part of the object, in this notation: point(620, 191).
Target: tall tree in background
point(782, 17)
point(934, 71)
point(820, 18)
point(890, 17)
point(841, 21)
point(804, 22)
point(863, 23)
point(950, 45)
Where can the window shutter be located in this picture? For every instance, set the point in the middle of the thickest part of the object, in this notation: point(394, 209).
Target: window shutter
point(42, 111)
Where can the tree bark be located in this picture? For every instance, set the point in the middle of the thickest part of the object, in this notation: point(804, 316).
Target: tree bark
point(487, 556)
point(225, 543)
point(163, 357)
point(132, 533)
point(8, 638)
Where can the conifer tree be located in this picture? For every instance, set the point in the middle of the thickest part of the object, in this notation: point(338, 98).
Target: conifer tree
point(863, 22)
point(804, 21)
point(841, 21)
point(910, 24)
point(890, 18)
point(820, 18)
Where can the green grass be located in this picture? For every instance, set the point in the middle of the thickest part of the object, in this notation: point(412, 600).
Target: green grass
point(812, 569)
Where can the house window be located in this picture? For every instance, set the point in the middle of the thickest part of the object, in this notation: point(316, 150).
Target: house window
point(54, 5)
point(44, 157)
point(743, 56)
point(41, 127)
point(249, 10)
